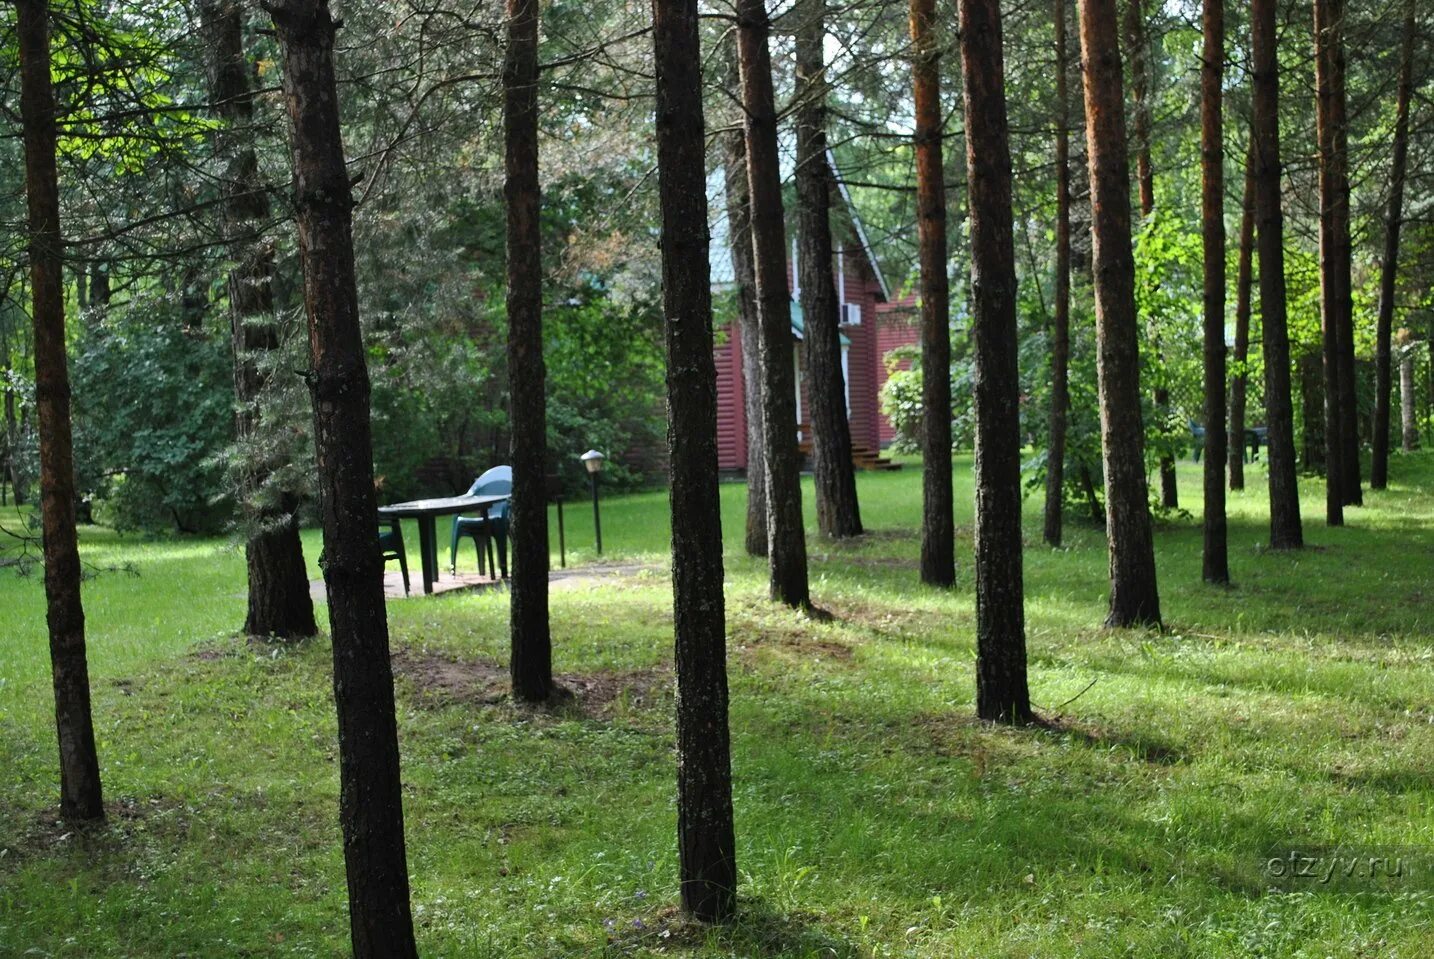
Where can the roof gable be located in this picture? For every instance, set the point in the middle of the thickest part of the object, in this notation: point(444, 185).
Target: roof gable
point(720, 248)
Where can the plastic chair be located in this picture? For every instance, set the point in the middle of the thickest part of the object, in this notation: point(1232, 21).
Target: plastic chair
point(497, 481)
point(390, 542)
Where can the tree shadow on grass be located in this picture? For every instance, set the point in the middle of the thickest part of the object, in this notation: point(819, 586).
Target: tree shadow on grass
point(1145, 748)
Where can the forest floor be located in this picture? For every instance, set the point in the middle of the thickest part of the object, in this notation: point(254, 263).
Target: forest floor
point(874, 816)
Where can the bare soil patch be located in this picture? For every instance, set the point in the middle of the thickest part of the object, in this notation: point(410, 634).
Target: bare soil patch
point(441, 679)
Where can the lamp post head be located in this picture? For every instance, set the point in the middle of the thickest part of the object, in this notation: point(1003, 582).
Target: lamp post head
point(592, 461)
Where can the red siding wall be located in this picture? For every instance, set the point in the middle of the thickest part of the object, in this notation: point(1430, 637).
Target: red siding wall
point(898, 324)
point(862, 358)
point(865, 372)
point(731, 414)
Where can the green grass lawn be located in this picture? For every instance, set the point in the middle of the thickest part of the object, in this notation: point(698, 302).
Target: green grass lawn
point(875, 817)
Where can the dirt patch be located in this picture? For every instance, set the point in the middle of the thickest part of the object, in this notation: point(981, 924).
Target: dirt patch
point(754, 646)
point(889, 621)
point(441, 679)
point(47, 833)
point(614, 691)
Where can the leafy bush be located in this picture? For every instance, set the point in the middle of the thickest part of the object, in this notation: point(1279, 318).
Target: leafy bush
point(153, 409)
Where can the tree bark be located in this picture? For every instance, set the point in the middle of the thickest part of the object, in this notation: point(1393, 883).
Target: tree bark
point(1330, 75)
point(938, 523)
point(1409, 429)
point(1285, 528)
point(834, 475)
point(1393, 221)
point(1061, 324)
point(705, 843)
point(786, 538)
point(1002, 694)
point(531, 664)
point(1139, 56)
point(279, 603)
point(1134, 598)
point(1216, 562)
point(1333, 250)
point(370, 796)
point(1244, 281)
point(1310, 368)
point(81, 798)
point(744, 275)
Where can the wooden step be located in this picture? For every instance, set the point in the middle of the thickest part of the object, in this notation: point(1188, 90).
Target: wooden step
point(862, 457)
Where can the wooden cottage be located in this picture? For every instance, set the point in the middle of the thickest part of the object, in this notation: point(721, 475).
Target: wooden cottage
point(872, 324)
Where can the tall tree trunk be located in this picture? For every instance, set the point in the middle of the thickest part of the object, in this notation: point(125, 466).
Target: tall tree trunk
point(938, 523)
point(279, 603)
point(10, 462)
point(834, 475)
point(1061, 325)
point(744, 275)
point(786, 538)
point(1216, 565)
point(1311, 373)
point(1002, 693)
point(531, 645)
point(1134, 598)
point(80, 794)
point(1393, 221)
point(1331, 251)
point(705, 843)
point(1409, 429)
point(1338, 210)
point(1285, 529)
point(370, 793)
point(1140, 95)
point(1244, 281)
point(1138, 56)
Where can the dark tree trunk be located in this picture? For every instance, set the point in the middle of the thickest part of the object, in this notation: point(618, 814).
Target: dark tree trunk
point(279, 603)
point(1333, 258)
point(1216, 565)
point(1061, 327)
point(748, 325)
point(531, 645)
point(1409, 429)
point(80, 794)
point(10, 462)
point(1335, 205)
point(786, 538)
point(1311, 373)
point(834, 474)
point(1285, 528)
point(1393, 221)
point(1244, 281)
point(1134, 598)
point(705, 843)
point(1139, 56)
point(938, 523)
point(370, 794)
point(1002, 694)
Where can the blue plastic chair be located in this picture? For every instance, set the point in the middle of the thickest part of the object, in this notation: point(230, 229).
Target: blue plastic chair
point(497, 481)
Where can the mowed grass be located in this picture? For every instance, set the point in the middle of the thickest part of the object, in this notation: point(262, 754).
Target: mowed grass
point(875, 817)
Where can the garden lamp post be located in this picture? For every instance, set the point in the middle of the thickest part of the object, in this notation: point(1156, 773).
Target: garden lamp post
point(592, 461)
